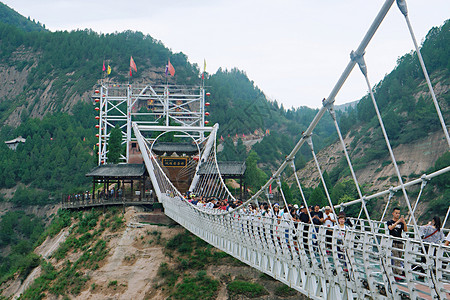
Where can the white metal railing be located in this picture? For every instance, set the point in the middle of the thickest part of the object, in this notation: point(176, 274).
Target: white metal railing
point(321, 262)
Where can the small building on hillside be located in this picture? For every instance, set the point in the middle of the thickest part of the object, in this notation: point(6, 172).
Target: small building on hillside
point(12, 144)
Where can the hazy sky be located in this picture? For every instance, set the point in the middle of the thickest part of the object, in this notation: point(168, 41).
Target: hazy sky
point(294, 50)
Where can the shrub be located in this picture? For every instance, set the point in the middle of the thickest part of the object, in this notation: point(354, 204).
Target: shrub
point(285, 291)
point(112, 283)
point(169, 275)
point(199, 287)
point(182, 242)
point(247, 289)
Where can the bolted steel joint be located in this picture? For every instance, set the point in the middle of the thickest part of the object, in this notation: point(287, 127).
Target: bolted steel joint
point(359, 59)
point(310, 143)
point(278, 180)
point(292, 162)
point(332, 111)
point(403, 7)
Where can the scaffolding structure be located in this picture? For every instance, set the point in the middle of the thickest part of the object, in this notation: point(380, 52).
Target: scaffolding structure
point(157, 107)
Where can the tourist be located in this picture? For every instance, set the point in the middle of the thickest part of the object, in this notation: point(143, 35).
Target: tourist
point(297, 210)
point(328, 217)
point(341, 228)
point(317, 216)
point(396, 226)
point(447, 240)
point(432, 232)
point(328, 222)
point(303, 216)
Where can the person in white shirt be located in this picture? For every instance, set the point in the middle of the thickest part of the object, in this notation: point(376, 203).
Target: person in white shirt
point(340, 235)
point(328, 217)
point(329, 221)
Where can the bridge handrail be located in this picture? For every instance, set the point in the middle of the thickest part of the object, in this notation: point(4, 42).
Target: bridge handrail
point(315, 248)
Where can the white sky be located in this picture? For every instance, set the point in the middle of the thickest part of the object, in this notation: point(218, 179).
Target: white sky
point(294, 50)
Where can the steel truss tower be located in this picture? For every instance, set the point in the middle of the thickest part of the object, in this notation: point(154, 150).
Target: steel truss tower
point(166, 107)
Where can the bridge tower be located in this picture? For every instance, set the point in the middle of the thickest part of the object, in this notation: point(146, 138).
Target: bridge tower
point(158, 108)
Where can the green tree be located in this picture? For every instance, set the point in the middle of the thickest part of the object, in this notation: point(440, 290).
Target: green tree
point(287, 192)
point(318, 197)
point(115, 145)
point(254, 176)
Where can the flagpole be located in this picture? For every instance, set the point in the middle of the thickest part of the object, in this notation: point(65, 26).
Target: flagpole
point(102, 76)
point(167, 72)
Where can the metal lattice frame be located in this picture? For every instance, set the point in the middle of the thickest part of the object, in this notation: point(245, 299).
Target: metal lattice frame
point(149, 106)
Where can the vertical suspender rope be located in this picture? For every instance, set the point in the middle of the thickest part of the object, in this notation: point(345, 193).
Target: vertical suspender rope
point(310, 143)
point(219, 174)
point(391, 194)
point(311, 226)
point(446, 217)
point(285, 203)
point(362, 66)
point(404, 10)
point(355, 180)
point(301, 191)
point(424, 183)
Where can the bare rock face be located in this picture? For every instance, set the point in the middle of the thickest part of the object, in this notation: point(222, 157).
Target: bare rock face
point(14, 78)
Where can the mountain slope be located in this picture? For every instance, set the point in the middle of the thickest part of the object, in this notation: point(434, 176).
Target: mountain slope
point(10, 16)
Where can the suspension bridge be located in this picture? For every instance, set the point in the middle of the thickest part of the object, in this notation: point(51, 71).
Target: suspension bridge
point(363, 261)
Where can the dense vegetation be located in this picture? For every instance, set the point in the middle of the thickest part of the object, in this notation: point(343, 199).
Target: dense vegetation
point(56, 156)
point(21, 232)
point(9, 16)
point(73, 61)
point(84, 238)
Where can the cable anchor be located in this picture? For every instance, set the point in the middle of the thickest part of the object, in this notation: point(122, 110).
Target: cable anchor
point(403, 7)
point(359, 59)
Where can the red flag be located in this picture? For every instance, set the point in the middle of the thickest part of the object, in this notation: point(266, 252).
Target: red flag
point(132, 64)
point(221, 137)
point(170, 68)
point(243, 135)
point(104, 68)
point(131, 74)
point(270, 189)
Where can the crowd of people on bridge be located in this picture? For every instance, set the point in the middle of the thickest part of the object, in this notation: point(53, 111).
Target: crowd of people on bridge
point(276, 223)
point(285, 219)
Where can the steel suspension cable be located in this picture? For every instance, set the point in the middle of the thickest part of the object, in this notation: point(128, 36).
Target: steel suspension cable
point(349, 163)
point(310, 143)
point(301, 191)
point(285, 202)
point(391, 194)
point(363, 67)
point(446, 217)
point(331, 97)
point(424, 183)
point(355, 180)
point(404, 10)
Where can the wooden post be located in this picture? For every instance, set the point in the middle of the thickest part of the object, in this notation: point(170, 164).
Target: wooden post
point(132, 196)
point(93, 189)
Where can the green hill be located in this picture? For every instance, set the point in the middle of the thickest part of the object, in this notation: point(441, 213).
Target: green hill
point(10, 16)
